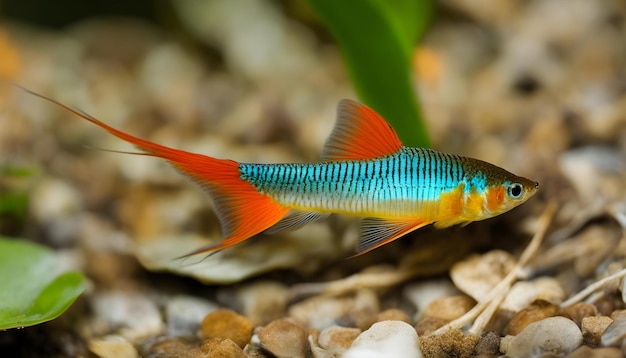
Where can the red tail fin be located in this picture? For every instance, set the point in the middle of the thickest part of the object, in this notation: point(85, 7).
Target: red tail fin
point(242, 210)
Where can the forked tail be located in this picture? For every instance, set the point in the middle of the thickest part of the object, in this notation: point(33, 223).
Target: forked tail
point(242, 210)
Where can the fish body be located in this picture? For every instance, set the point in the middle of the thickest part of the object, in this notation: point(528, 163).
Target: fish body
point(365, 171)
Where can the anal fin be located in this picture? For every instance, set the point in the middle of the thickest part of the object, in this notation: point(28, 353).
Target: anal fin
point(376, 232)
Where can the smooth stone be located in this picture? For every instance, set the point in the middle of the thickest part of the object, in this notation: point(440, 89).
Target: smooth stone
point(579, 311)
point(393, 314)
point(386, 339)
point(134, 315)
point(477, 275)
point(614, 334)
point(422, 293)
point(174, 347)
point(284, 338)
point(112, 346)
point(184, 314)
point(588, 352)
point(263, 302)
point(523, 293)
point(222, 348)
point(536, 312)
point(224, 323)
point(556, 335)
point(449, 308)
point(336, 340)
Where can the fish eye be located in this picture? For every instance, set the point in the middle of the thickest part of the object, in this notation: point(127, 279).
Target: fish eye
point(515, 191)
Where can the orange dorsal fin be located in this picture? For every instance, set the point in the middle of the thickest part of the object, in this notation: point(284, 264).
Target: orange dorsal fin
point(360, 133)
point(241, 209)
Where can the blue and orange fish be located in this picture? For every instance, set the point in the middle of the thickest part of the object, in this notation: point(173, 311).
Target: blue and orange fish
point(365, 172)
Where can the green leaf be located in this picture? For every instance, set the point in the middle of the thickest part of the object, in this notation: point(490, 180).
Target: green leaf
point(377, 38)
point(32, 290)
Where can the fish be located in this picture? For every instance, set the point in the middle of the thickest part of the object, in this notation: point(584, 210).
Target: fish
point(365, 171)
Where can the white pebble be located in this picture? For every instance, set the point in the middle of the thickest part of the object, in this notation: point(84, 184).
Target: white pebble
point(556, 335)
point(386, 339)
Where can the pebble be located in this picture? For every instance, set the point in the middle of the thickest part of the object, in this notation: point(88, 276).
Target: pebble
point(183, 315)
point(579, 311)
point(224, 323)
point(523, 293)
point(336, 340)
point(422, 293)
point(222, 348)
point(112, 346)
point(477, 275)
point(614, 334)
point(386, 339)
point(556, 335)
point(263, 302)
point(441, 311)
point(135, 315)
point(174, 347)
point(588, 352)
point(449, 308)
point(284, 338)
point(393, 314)
point(487, 346)
point(321, 312)
point(536, 312)
point(593, 327)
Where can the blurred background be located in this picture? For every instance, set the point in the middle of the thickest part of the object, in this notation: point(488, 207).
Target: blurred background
point(537, 87)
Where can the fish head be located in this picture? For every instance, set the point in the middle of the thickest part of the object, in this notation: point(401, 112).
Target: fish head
point(492, 191)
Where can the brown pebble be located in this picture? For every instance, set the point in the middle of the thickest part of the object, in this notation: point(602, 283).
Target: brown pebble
point(588, 352)
point(449, 308)
point(428, 325)
point(537, 311)
point(393, 314)
point(488, 345)
point(336, 340)
point(175, 347)
point(284, 338)
point(578, 311)
point(593, 327)
point(229, 324)
point(222, 348)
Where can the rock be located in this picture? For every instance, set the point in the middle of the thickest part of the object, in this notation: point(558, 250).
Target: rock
point(593, 327)
point(386, 339)
point(321, 312)
point(523, 293)
point(441, 311)
point(393, 314)
point(184, 314)
point(449, 308)
point(477, 275)
point(134, 315)
point(336, 340)
point(555, 335)
point(579, 311)
point(615, 332)
point(487, 346)
point(422, 293)
point(225, 323)
point(536, 312)
point(588, 352)
point(222, 348)
point(112, 346)
point(263, 302)
point(284, 339)
point(313, 244)
point(174, 347)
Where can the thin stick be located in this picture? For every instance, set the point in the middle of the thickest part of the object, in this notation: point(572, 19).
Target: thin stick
point(593, 287)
